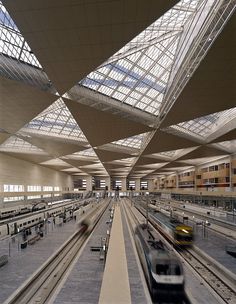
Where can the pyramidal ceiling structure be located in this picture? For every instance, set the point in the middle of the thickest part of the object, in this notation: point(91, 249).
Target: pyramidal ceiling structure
point(106, 88)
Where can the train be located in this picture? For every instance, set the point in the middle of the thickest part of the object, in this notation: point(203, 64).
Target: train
point(178, 233)
point(162, 269)
point(8, 212)
point(18, 224)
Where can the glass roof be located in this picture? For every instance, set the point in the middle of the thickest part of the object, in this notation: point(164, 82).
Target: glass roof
point(56, 120)
point(138, 74)
point(87, 152)
point(12, 43)
point(132, 142)
point(228, 146)
point(15, 143)
point(202, 127)
point(56, 162)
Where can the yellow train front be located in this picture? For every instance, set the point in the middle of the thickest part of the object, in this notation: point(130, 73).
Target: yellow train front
point(183, 235)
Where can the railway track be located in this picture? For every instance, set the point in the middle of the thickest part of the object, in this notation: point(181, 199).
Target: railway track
point(39, 288)
point(212, 278)
point(133, 221)
point(217, 282)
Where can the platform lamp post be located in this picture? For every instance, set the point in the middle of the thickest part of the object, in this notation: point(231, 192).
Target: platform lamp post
point(147, 213)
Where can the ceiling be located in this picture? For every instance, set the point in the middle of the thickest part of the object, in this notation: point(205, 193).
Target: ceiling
point(117, 88)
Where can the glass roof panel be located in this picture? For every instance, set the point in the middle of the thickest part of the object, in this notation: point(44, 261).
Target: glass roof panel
point(138, 73)
point(12, 43)
point(56, 120)
point(15, 143)
point(228, 146)
point(132, 142)
point(202, 127)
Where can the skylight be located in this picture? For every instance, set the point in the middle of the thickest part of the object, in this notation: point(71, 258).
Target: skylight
point(15, 143)
point(58, 121)
point(138, 74)
point(12, 43)
point(202, 127)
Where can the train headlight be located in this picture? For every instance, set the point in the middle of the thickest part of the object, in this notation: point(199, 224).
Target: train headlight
point(185, 231)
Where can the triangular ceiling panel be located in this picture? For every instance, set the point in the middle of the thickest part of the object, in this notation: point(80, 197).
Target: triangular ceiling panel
point(173, 165)
point(3, 137)
point(231, 135)
point(147, 161)
point(30, 157)
point(106, 156)
point(162, 141)
point(78, 163)
point(53, 146)
point(212, 82)
point(202, 151)
point(103, 127)
point(71, 38)
point(20, 103)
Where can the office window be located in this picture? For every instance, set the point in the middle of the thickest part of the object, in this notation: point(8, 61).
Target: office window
point(13, 188)
point(33, 188)
point(13, 198)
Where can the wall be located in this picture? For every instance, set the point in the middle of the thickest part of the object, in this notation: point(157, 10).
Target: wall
point(20, 172)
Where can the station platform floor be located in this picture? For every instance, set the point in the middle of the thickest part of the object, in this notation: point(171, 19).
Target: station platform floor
point(89, 282)
point(24, 262)
point(214, 245)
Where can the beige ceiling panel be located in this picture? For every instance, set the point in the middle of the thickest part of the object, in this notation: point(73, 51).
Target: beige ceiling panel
point(173, 165)
point(162, 142)
point(231, 135)
point(212, 87)
point(147, 161)
point(105, 156)
point(33, 158)
point(78, 163)
point(202, 151)
point(3, 136)
point(53, 146)
point(55, 167)
point(20, 103)
point(102, 127)
point(71, 38)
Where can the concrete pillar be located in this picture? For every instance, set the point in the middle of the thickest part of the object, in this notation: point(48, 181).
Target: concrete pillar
point(151, 185)
point(137, 184)
point(89, 183)
point(108, 183)
point(123, 184)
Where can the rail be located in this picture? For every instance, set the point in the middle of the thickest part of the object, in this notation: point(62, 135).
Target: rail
point(40, 286)
point(217, 278)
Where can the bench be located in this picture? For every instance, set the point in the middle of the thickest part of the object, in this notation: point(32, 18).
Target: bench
point(34, 239)
point(3, 260)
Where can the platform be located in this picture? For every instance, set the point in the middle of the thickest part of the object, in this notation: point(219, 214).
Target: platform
point(23, 262)
point(115, 284)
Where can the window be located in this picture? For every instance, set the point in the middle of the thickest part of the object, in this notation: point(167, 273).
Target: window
point(47, 195)
point(13, 188)
point(234, 171)
point(13, 198)
point(33, 188)
point(56, 188)
point(47, 188)
point(144, 185)
point(33, 196)
point(131, 185)
point(199, 176)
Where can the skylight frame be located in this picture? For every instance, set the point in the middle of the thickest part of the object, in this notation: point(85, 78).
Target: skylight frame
point(12, 43)
point(124, 78)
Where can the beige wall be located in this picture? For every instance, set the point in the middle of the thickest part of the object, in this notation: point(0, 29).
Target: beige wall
point(19, 172)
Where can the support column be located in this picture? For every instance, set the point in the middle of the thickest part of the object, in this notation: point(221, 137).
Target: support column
point(89, 183)
point(108, 183)
point(123, 184)
point(137, 184)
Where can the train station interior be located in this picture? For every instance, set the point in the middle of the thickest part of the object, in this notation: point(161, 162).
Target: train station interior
point(117, 137)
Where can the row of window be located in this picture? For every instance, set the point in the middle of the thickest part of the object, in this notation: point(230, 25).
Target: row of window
point(21, 198)
point(20, 188)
